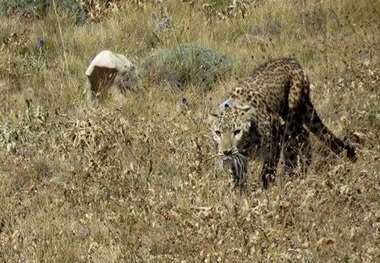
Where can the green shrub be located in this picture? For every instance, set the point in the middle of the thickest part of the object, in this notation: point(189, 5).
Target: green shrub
point(40, 8)
point(186, 64)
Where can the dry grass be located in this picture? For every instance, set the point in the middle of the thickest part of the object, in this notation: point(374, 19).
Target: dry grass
point(133, 181)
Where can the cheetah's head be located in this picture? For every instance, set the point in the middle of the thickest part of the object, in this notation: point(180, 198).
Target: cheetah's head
point(229, 128)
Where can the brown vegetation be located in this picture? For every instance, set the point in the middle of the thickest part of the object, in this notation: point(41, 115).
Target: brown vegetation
point(133, 179)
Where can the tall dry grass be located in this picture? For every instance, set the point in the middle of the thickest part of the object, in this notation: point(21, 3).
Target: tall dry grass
point(133, 180)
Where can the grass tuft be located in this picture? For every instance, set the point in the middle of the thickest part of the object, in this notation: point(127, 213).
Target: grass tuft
point(186, 64)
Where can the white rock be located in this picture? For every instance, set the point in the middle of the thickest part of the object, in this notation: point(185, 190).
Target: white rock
point(108, 69)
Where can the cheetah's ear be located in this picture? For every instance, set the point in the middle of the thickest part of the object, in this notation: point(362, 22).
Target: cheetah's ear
point(246, 109)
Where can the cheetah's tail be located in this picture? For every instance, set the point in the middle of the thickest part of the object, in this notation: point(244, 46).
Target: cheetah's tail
point(319, 129)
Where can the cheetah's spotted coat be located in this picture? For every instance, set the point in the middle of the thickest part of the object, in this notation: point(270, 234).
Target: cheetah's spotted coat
point(272, 111)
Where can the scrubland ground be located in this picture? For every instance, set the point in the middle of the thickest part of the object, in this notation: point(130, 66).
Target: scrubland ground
point(133, 180)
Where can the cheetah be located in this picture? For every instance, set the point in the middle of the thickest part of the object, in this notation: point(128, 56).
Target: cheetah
point(271, 111)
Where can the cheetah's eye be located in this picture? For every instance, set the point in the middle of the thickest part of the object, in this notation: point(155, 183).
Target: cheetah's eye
point(236, 132)
point(218, 133)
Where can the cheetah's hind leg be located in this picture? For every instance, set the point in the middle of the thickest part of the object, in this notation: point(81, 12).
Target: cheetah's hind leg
point(297, 152)
point(297, 146)
point(269, 170)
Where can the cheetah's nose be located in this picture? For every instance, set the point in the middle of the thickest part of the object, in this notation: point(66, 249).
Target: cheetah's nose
point(227, 153)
